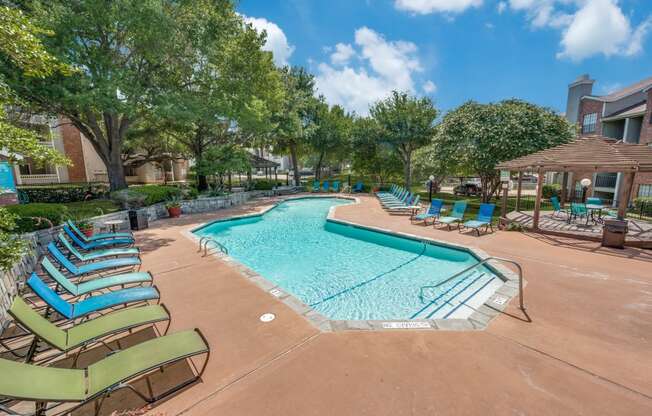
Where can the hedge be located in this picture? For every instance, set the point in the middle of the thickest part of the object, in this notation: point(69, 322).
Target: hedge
point(153, 193)
point(551, 190)
point(55, 213)
point(264, 185)
point(61, 193)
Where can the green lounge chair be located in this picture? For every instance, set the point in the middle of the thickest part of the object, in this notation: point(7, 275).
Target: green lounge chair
point(96, 254)
point(43, 385)
point(456, 216)
point(315, 186)
point(556, 206)
point(97, 284)
point(100, 236)
point(85, 334)
point(336, 186)
point(483, 219)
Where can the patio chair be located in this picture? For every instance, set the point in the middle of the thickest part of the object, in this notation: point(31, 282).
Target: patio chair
point(434, 210)
point(44, 385)
point(483, 219)
point(556, 205)
point(84, 288)
point(578, 210)
point(92, 304)
point(594, 201)
point(455, 217)
point(315, 186)
point(96, 254)
point(95, 244)
point(100, 236)
point(358, 187)
point(85, 334)
point(336, 186)
point(92, 267)
point(326, 186)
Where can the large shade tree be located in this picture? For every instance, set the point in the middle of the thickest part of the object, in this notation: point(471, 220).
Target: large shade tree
point(476, 137)
point(330, 137)
point(370, 155)
point(406, 123)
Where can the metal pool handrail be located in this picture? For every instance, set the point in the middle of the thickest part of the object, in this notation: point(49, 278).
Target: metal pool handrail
point(206, 240)
point(488, 259)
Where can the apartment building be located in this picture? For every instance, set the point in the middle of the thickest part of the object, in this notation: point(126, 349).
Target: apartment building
point(623, 115)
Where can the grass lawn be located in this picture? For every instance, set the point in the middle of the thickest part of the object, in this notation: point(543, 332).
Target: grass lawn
point(87, 209)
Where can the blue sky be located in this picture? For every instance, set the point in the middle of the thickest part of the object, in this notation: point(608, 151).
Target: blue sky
point(456, 50)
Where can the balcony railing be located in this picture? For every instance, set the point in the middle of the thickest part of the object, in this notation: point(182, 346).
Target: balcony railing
point(39, 179)
point(606, 181)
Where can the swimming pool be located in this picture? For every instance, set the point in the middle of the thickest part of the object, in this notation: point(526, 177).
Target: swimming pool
point(351, 273)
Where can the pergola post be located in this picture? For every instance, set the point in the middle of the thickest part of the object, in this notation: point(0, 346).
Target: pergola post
point(625, 194)
point(537, 201)
point(564, 191)
point(518, 191)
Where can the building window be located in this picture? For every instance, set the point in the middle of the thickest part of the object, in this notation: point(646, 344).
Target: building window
point(589, 123)
point(644, 191)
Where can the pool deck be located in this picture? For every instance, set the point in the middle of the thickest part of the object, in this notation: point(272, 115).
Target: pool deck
point(587, 349)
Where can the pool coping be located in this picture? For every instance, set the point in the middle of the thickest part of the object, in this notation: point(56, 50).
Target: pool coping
point(478, 320)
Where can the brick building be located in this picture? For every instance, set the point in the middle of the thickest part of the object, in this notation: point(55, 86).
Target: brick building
point(623, 115)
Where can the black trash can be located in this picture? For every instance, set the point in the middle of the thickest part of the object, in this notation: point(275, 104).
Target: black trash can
point(613, 233)
point(138, 219)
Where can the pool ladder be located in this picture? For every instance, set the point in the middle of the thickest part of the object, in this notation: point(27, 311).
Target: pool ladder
point(484, 261)
point(204, 241)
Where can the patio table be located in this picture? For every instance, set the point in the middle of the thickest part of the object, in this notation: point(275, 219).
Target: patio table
point(595, 207)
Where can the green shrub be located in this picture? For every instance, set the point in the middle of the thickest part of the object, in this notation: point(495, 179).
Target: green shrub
point(62, 193)
point(642, 201)
point(551, 190)
point(264, 185)
point(29, 214)
point(145, 195)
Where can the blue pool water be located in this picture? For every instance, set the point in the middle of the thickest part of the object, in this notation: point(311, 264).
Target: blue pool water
point(346, 272)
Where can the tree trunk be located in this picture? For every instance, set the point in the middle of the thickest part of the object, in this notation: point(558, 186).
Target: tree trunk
point(116, 172)
point(407, 170)
point(295, 164)
point(318, 166)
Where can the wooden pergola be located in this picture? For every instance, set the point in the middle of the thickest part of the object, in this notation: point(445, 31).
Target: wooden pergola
point(586, 154)
point(267, 166)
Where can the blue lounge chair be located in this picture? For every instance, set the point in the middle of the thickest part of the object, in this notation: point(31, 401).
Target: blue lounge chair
point(326, 186)
point(91, 304)
point(404, 201)
point(391, 191)
point(556, 206)
point(394, 193)
point(100, 236)
point(336, 186)
point(483, 219)
point(315, 186)
point(83, 288)
point(96, 254)
point(455, 217)
point(95, 244)
point(97, 266)
point(434, 210)
point(358, 187)
point(411, 205)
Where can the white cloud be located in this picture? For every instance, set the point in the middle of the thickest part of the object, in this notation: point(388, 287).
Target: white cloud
point(276, 41)
point(502, 6)
point(600, 27)
point(343, 52)
point(436, 6)
point(588, 27)
point(429, 87)
point(383, 66)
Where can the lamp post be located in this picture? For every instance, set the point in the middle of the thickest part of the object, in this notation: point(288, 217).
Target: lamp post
point(586, 182)
point(431, 180)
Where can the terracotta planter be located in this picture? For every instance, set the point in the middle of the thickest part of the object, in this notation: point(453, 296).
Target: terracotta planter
point(174, 212)
point(88, 231)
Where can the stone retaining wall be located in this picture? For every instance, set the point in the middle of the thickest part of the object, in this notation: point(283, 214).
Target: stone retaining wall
point(11, 281)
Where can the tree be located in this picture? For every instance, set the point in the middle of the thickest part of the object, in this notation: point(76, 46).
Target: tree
point(479, 136)
point(223, 160)
point(370, 154)
point(330, 135)
point(20, 47)
point(292, 121)
point(406, 123)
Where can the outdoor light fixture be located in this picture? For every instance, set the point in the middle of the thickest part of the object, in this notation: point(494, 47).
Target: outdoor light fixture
point(586, 182)
point(432, 178)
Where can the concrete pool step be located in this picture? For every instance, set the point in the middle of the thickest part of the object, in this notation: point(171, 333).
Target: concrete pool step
point(463, 303)
point(454, 295)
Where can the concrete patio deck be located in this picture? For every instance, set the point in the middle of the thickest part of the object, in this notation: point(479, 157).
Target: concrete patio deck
point(586, 351)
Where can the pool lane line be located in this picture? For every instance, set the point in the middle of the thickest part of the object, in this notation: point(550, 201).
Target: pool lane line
point(349, 289)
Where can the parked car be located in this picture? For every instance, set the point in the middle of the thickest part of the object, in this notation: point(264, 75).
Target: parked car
point(467, 189)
